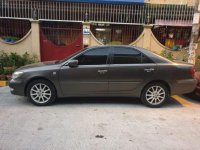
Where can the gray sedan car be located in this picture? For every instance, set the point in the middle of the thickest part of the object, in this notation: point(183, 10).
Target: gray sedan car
point(105, 71)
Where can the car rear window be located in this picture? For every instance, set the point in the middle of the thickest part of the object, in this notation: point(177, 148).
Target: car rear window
point(126, 56)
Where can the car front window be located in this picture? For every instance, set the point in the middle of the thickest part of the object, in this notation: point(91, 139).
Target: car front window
point(63, 60)
point(96, 56)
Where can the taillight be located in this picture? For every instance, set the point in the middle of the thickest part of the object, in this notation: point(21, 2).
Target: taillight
point(192, 71)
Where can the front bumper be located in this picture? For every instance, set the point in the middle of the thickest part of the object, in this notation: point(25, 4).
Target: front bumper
point(17, 87)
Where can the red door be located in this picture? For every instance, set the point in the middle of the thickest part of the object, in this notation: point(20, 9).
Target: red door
point(60, 39)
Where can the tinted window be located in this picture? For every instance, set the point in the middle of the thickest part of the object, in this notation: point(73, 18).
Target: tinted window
point(126, 56)
point(146, 60)
point(97, 56)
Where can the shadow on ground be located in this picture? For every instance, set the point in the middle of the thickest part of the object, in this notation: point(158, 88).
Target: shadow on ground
point(192, 97)
point(14, 100)
point(108, 100)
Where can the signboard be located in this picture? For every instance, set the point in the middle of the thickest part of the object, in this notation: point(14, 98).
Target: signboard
point(105, 1)
point(196, 18)
point(86, 31)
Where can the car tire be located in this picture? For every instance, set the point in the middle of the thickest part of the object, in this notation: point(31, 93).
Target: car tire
point(41, 92)
point(155, 95)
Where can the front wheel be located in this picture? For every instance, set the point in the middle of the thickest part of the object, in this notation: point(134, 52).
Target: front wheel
point(41, 92)
point(155, 95)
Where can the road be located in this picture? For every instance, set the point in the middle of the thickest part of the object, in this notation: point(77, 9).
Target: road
point(98, 124)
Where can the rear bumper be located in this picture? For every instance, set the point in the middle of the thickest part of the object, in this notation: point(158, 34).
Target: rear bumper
point(183, 86)
point(17, 87)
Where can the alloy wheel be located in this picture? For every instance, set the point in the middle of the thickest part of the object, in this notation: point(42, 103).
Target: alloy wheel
point(155, 95)
point(40, 93)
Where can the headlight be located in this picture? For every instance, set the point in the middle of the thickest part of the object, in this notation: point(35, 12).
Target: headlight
point(16, 74)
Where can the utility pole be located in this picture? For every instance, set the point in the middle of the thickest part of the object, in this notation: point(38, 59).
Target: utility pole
point(195, 33)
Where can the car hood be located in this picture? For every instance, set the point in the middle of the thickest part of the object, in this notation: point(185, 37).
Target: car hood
point(46, 63)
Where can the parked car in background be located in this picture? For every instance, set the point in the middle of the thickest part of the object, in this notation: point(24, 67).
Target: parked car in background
point(105, 71)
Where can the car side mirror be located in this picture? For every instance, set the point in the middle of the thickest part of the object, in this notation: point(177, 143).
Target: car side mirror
point(73, 63)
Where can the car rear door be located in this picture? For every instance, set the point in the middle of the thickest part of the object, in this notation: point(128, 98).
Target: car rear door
point(90, 78)
point(128, 70)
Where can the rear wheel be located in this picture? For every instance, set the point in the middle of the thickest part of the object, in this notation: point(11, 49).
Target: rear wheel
point(155, 95)
point(41, 92)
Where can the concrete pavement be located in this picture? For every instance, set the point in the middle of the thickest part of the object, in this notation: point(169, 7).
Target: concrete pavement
point(98, 124)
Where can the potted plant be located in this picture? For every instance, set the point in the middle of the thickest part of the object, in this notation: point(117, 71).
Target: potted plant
point(2, 75)
point(8, 73)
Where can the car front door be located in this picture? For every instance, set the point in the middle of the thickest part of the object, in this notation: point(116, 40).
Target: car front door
point(129, 69)
point(90, 77)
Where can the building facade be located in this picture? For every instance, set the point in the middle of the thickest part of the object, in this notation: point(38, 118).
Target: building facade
point(55, 29)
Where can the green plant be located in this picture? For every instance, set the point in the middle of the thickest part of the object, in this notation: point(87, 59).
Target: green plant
point(15, 60)
point(1, 71)
point(5, 74)
point(166, 54)
point(10, 61)
point(8, 71)
point(27, 59)
point(10, 39)
point(4, 59)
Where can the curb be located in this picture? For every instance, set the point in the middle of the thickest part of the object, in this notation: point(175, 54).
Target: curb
point(3, 83)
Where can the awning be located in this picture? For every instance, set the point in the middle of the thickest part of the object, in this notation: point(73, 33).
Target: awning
point(106, 1)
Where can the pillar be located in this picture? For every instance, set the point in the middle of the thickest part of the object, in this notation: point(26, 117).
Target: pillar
point(147, 37)
point(86, 34)
point(35, 42)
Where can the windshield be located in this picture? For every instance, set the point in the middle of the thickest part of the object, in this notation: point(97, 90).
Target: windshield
point(63, 60)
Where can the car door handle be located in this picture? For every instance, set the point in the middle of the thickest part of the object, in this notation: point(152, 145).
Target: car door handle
point(102, 71)
point(149, 69)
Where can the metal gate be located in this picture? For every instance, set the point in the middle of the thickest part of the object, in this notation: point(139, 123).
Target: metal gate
point(60, 39)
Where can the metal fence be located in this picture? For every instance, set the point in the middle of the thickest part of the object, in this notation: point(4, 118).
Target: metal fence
point(117, 13)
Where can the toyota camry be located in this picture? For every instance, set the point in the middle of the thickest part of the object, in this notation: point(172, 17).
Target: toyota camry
point(105, 71)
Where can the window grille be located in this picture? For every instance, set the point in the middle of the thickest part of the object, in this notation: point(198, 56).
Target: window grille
point(173, 37)
point(117, 13)
point(61, 33)
point(12, 30)
point(114, 34)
